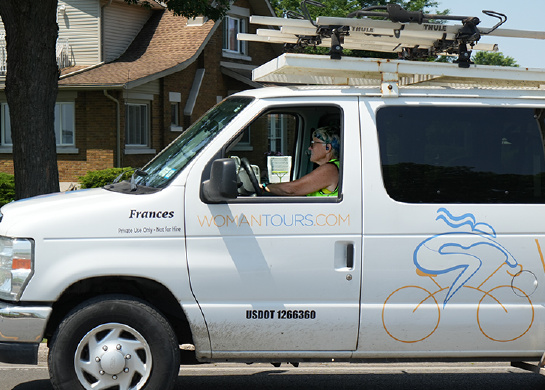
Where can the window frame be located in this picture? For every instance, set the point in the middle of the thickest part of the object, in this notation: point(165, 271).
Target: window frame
point(229, 36)
point(60, 106)
point(241, 52)
point(62, 147)
point(175, 99)
point(298, 169)
point(479, 175)
point(278, 133)
point(174, 114)
point(144, 147)
point(245, 143)
point(6, 124)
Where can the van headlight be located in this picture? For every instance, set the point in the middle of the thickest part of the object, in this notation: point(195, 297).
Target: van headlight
point(16, 266)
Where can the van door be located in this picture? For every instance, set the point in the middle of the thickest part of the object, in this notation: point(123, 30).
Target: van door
point(279, 273)
point(452, 229)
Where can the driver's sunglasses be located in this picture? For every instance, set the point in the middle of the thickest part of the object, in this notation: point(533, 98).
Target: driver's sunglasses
point(316, 142)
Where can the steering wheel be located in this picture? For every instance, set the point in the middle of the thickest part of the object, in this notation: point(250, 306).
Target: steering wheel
point(251, 175)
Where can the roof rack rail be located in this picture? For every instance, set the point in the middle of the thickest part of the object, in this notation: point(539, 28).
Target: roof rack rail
point(412, 35)
point(391, 75)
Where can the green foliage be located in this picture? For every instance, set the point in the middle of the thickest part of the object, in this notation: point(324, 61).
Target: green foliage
point(7, 188)
point(342, 8)
point(445, 59)
point(339, 8)
point(192, 8)
point(491, 58)
point(97, 179)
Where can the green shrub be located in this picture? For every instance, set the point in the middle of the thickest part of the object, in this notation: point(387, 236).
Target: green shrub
point(97, 179)
point(7, 188)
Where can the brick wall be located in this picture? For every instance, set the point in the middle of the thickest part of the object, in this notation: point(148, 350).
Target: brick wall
point(95, 137)
point(6, 163)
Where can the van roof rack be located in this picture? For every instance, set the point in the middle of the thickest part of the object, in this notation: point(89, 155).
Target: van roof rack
point(412, 35)
point(390, 75)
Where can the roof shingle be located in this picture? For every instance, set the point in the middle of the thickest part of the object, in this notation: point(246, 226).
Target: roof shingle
point(165, 43)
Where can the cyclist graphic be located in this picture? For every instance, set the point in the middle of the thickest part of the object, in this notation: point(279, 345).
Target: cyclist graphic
point(470, 256)
point(460, 252)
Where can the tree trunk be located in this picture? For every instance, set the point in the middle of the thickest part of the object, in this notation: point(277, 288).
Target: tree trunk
point(31, 91)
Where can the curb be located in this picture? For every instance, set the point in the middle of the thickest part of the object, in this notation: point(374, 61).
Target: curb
point(42, 354)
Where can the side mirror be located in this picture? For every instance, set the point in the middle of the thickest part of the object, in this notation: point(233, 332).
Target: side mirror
point(222, 184)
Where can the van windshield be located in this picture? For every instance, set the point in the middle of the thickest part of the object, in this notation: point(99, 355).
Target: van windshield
point(166, 165)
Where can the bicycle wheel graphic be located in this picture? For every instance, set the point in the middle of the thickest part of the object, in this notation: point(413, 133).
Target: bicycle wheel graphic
point(504, 314)
point(410, 314)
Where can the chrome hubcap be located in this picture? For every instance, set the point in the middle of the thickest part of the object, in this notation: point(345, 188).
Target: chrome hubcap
point(113, 355)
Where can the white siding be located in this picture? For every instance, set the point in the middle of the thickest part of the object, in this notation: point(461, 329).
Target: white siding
point(80, 23)
point(122, 22)
point(148, 89)
point(90, 42)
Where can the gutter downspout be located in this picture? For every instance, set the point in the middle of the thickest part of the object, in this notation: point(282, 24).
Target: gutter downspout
point(118, 130)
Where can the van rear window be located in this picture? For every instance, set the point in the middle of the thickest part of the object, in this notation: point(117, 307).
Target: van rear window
point(462, 154)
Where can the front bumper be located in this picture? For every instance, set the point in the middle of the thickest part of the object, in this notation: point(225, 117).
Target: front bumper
point(21, 331)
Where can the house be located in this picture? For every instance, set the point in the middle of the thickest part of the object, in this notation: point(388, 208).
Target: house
point(133, 78)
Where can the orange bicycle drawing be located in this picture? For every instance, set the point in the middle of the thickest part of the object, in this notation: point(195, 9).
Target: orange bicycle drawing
point(424, 313)
point(412, 313)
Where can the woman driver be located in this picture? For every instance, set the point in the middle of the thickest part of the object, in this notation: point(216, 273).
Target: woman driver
point(322, 181)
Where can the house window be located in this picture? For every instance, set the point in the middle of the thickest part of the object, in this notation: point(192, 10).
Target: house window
point(137, 125)
point(270, 131)
point(244, 144)
point(6, 126)
point(175, 99)
point(174, 114)
point(277, 133)
point(64, 125)
point(231, 27)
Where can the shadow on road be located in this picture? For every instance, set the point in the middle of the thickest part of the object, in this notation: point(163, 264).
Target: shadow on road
point(405, 381)
point(279, 379)
point(35, 385)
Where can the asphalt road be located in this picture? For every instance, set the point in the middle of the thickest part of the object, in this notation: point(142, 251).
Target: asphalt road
point(452, 376)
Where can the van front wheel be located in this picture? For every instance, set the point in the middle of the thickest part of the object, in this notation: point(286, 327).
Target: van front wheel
point(114, 342)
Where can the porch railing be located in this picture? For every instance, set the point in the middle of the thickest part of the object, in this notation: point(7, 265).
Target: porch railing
point(63, 54)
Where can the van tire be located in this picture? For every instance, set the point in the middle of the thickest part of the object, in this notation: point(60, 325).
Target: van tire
point(116, 340)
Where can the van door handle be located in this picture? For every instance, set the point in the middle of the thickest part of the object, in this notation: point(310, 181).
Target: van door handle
point(350, 256)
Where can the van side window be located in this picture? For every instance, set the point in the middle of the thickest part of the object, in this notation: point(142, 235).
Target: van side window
point(277, 146)
point(462, 154)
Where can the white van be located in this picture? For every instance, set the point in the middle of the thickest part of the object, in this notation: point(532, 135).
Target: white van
point(433, 248)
